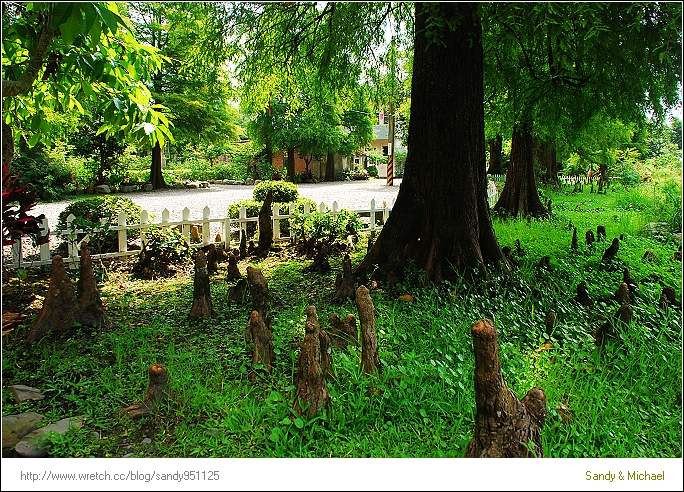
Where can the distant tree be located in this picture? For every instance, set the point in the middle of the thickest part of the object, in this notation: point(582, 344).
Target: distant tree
point(556, 65)
point(193, 85)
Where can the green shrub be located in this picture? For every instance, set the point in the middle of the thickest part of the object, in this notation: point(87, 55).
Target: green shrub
point(372, 171)
point(283, 192)
point(316, 225)
point(356, 174)
point(97, 212)
point(163, 247)
point(45, 171)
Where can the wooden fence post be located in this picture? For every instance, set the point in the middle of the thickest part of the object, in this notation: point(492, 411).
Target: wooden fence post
point(275, 212)
point(186, 226)
point(144, 219)
point(206, 231)
point(123, 242)
point(226, 231)
point(44, 248)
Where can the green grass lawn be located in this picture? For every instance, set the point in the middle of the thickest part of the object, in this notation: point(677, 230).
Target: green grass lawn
point(620, 400)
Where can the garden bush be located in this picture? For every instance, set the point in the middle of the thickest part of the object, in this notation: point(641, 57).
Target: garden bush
point(98, 212)
point(164, 247)
point(326, 225)
point(283, 191)
point(372, 171)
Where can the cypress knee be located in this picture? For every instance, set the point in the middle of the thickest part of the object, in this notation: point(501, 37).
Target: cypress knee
point(155, 394)
point(312, 392)
point(370, 361)
point(59, 304)
point(505, 427)
point(202, 306)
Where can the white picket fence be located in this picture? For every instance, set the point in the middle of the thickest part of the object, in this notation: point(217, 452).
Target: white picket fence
point(568, 180)
point(373, 218)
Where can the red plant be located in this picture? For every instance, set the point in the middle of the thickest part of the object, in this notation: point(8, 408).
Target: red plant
point(16, 202)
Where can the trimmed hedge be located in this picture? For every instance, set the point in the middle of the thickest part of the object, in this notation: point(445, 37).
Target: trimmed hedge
point(283, 191)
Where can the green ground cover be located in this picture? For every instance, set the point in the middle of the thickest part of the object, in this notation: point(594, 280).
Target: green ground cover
point(620, 400)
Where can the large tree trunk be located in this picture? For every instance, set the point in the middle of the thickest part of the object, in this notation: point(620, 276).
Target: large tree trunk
point(495, 165)
point(156, 176)
point(520, 195)
point(546, 157)
point(291, 164)
point(330, 167)
point(441, 217)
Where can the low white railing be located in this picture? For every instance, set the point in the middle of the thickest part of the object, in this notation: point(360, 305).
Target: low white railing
point(377, 216)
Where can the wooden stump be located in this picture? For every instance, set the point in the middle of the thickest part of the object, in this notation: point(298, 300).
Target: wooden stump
point(631, 283)
point(59, 305)
point(600, 233)
point(258, 290)
point(545, 263)
point(243, 244)
point(609, 254)
point(324, 341)
point(550, 322)
point(263, 342)
point(265, 225)
point(345, 283)
point(320, 261)
point(607, 329)
point(312, 393)
point(505, 427)
point(343, 332)
point(155, 394)
point(202, 306)
point(622, 294)
point(370, 361)
point(233, 272)
point(90, 311)
point(237, 292)
point(212, 259)
point(583, 295)
point(573, 244)
point(589, 237)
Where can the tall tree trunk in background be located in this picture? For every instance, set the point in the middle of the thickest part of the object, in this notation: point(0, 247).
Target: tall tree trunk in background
point(156, 176)
point(291, 164)
point(7, 147)
point(520, 195)
point(441, 216)
point(495, 165)
point(546, 157)
point(330, 167)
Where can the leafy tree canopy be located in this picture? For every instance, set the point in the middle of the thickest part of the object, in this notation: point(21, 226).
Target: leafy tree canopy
point(56, 53)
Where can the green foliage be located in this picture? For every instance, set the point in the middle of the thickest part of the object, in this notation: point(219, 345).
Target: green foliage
point(423, 402)
point(372, 171)
point(48, 171)
point(95, 215)
point(162, 248)
point(17, 202)
point(93, 55)
point(283, 191)
point(317, 226)
point(355, 174)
